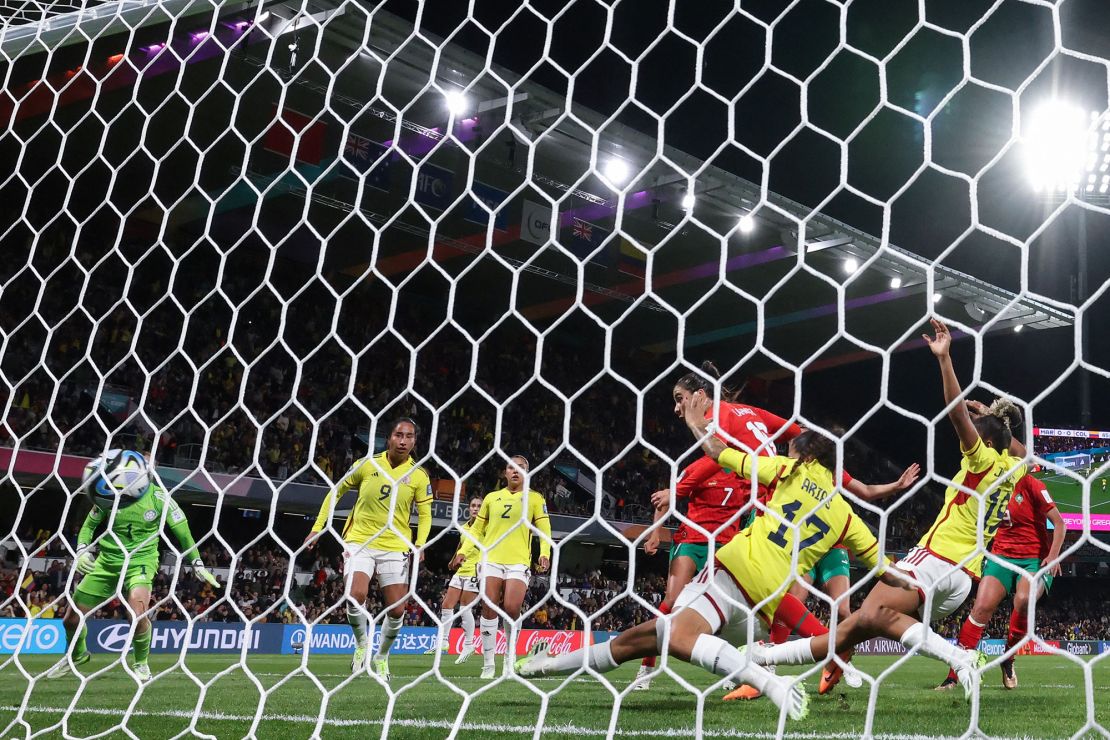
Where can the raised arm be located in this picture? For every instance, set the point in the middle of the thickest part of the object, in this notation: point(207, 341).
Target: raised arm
point(940, 346)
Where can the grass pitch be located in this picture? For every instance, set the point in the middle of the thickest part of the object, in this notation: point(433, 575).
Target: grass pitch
point(287, 703)
point(1068, 494)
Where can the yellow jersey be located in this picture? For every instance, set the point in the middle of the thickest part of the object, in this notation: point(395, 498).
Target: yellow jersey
point(380, 519)
point(502, 531)
point(469, 568)
point(804, 494)
point(953, 536)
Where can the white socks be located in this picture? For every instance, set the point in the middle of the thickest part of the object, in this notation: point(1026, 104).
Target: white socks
point(718, 657)
point(390, 627)
point(446, 617)
point(489, 639)
point(791, 652)
point(599, 657)
point(934, 646)
point(356, 617)
point(468, 628)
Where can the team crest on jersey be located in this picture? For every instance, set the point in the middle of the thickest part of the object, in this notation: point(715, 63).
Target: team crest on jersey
point(150, 515)
point(1019, 498)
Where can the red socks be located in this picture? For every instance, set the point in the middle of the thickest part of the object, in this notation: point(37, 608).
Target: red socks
point(649, 662)
point(792, 616)
point(970, 634)
point(1019, 625)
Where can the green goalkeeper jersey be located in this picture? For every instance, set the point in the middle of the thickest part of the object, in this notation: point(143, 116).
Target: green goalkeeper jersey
point(137, 529)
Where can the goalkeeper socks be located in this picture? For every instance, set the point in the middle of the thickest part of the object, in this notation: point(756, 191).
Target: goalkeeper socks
point(934, 646)
point(142, 643)
point(356, 617)
point(796, 652)
point(390, 627)
point(489, 640)
point(446, 617)
point(1019, 625)
point(468, 628)
point(598, 657)
point(649, 661)
point(78, 645)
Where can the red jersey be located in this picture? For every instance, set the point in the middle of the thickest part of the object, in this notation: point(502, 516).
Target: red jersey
point(715, 496)
point(752, 427)
point(1023, 532)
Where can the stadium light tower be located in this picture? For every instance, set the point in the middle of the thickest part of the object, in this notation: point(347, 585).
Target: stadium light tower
point(1067, 155)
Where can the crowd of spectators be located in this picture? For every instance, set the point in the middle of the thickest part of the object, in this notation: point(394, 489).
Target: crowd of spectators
point(1043, 445)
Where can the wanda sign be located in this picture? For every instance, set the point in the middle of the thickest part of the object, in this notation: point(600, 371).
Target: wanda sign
point(559, 641)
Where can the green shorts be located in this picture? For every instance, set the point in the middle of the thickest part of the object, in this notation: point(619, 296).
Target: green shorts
point(835, 563)
point(103, 583)
point(1009, 578)
point(696, 551)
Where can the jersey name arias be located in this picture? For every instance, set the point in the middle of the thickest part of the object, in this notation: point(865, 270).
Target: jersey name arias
point(1024, 533)
point(804, 513)
point(953, 536)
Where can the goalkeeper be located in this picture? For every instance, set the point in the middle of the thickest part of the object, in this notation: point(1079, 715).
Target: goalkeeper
point(128, 550)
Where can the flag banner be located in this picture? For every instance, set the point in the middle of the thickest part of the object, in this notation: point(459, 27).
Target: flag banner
point(492, 198)
point(305, 139)
point(630, 260)
point(368, 158)
point(584, 238)
point(535, 223)
point(434, 186)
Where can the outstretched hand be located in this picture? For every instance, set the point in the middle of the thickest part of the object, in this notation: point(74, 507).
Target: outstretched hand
point(909, 477)
point(942, 342)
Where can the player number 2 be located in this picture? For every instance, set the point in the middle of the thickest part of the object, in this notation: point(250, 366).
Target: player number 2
point(508, 508)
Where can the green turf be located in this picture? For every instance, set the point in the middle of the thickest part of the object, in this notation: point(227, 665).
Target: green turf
point(1048, 703)
point(1068, 494)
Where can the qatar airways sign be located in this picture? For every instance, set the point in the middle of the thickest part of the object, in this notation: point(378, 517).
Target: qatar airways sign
point(1078, 433)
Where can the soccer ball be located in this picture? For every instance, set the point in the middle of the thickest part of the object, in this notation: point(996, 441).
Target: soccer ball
point(118, 475)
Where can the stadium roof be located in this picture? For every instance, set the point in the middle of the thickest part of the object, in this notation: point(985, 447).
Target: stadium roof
point(686, 256)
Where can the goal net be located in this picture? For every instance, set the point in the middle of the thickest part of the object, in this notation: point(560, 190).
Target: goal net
point(259, 243)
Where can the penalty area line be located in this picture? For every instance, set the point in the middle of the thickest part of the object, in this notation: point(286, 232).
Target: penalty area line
point(492, 728)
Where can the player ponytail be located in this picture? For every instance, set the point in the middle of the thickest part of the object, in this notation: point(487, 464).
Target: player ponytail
point(1011, 416)
point(813, 446)
point(703, 381)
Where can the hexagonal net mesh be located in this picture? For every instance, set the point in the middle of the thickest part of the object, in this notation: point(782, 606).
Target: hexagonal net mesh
point(399, 303)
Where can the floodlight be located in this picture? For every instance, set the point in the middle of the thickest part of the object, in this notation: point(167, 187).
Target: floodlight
point(457, 104)
point(851, 265)
point(896, 282)
point(1061, 147)
point(936, 297)
point(616, 171)
point(688, 202)
point(747, 223)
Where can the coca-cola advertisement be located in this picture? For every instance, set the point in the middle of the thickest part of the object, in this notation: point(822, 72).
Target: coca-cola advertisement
point(559, 641)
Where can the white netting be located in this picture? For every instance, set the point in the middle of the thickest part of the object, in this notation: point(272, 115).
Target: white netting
point(243, 238)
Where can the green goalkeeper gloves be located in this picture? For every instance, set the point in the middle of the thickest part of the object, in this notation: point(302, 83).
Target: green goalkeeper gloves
point(85, 561)
point(204, 574)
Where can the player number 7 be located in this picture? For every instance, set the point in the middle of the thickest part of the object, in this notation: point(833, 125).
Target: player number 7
point(728, 495)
